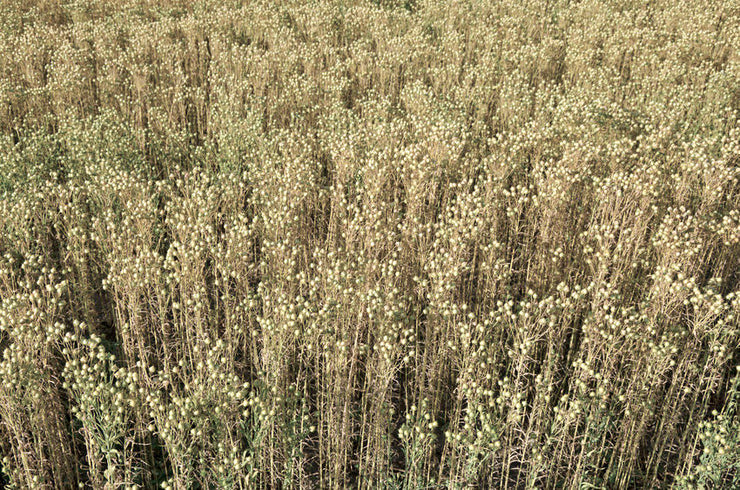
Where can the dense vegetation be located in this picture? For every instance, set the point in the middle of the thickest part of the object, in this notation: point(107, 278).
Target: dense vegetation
point(378, 244)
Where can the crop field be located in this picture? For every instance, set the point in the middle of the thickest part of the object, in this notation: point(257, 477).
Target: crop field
point(372, 244)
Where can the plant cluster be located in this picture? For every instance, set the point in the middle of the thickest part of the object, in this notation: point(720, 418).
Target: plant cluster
point(370, 244)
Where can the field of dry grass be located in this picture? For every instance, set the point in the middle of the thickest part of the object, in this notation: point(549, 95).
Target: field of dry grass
point(370, 244)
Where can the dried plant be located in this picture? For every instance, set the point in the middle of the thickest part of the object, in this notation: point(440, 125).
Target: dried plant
point(367, 244)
